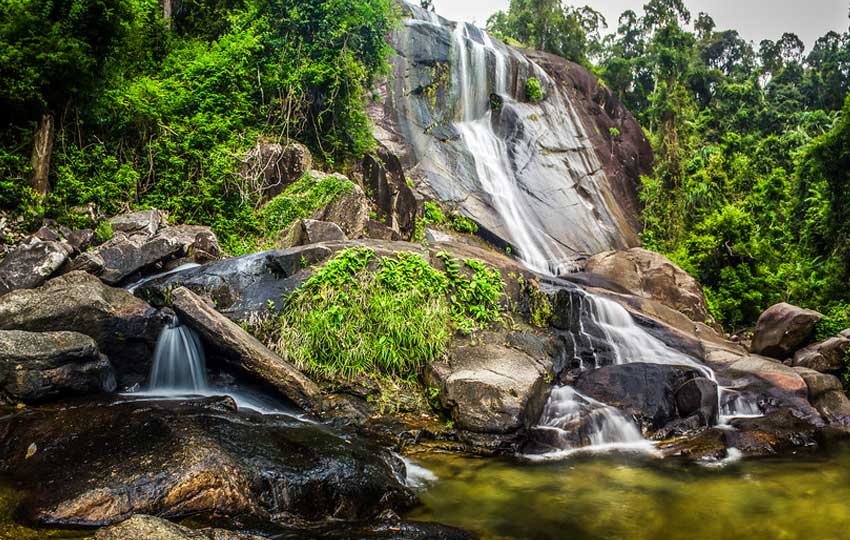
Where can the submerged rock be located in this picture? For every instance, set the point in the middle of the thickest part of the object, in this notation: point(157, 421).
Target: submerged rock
point(245, 352)
point(141, 527)
point(31, 264)
point(35, 366)
point(782, 329)
point(100, 463)
point(124, 327)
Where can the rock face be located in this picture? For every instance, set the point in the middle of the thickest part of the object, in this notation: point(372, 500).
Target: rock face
point(828, 356)
point(491, 388)
point(650, 275)
point(38, 366)
point(554, 163)
point(153, 528)
point(349, 211)
point(653, 394)
point(783, 329)
point(124, 327)
point(273, 166)
point(31, 264)
point(385, 182)
point(244, 351)
point(99, 464)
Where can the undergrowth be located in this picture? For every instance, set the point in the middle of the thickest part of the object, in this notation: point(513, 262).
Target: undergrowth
point(384, 316)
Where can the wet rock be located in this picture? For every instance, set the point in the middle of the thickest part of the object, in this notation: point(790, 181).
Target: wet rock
point(386, 185)
point(650, 275)
point(144, 222)
point(783, 329)
point(275, 166)
point(653, 394)
point(31, 264)
point(100, 463)
point(124, 327)
point(141, 527)
point(827, 356)
point(491, 388)
point(36, 366)
point(350, 211)
point(244, 351)
point(311, 231)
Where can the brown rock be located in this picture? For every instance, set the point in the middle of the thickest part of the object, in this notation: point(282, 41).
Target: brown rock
point(310, 231)
point(783, 329)
point(386, 185)
point(273, 166)
point(828, 356)
point(244, 351)
point(650, 275)
point(140, 527)
point(350, 211)
point(379, 231)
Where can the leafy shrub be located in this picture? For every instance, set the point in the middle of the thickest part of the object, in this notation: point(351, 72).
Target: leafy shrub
point(103, 232)
point(533, 90)
point(434, 214)
point(836, 319)
point(300, 199)
point(384, 316)
point(463, 224)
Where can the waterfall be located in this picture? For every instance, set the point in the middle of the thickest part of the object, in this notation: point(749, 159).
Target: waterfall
point(178, 363)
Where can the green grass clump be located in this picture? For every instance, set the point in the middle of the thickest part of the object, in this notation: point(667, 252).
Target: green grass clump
point(300, 199)
point(384, 317)
point(434, 214)
point(103, 232)
point(837, 318)
point(533, 90)
point(463, 224)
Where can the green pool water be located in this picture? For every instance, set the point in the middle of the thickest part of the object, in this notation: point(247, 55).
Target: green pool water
point(631, 498)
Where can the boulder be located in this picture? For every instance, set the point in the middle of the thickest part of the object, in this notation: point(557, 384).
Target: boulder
point(828, 356)
point(141, 527)
point(273, 166)
point(244, 351)
point(102, 462)
point(386, 185)
point(818, 383)
point(654, 394)
point(31, 264)
point(349, 210)
point(827, 395)
point(311, 231)
point(379, 231)
point(124, 327)
point(144, 222)
point(646, 274)
point(783, 329)
point(126, 254)
point(80, 240)
point(491, 388)
point(35, 366)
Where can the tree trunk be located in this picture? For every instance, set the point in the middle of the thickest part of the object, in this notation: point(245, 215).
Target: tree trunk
point(41, 149)
point(167, 10)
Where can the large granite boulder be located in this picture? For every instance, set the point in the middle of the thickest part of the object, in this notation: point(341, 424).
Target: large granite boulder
point(311, 231)
point(31, 264)
point(124, 327)
point(36, 366)
point(244, 351)
point(654, 394)
point(100, 463)
point(490, 387)
point(349, 210)
point(828, 356)
point(144, 222)
point(827, 395)
point(646, 274)
point(141, 527)
point(386, 185)
point(270, 167)
point(783, 329)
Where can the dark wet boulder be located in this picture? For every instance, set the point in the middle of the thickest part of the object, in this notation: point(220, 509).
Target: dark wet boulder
point(491, 388)
point(826, 394)
point(31, 264)
point(124, 327)
point(100, 463)
point(36, 366)
point(379, 231)
point(386, 185)
point(244, 351)
point(654, 394)
point(141, 527)
point(783, 329)
point(647, 274)
point(828, 356)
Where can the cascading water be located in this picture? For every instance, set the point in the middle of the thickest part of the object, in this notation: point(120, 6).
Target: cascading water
point(178, 363)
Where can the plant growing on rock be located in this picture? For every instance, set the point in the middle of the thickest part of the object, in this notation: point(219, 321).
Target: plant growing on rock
point(533, 90)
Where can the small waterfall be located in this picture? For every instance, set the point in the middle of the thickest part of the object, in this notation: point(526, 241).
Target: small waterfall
point(178, 363)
